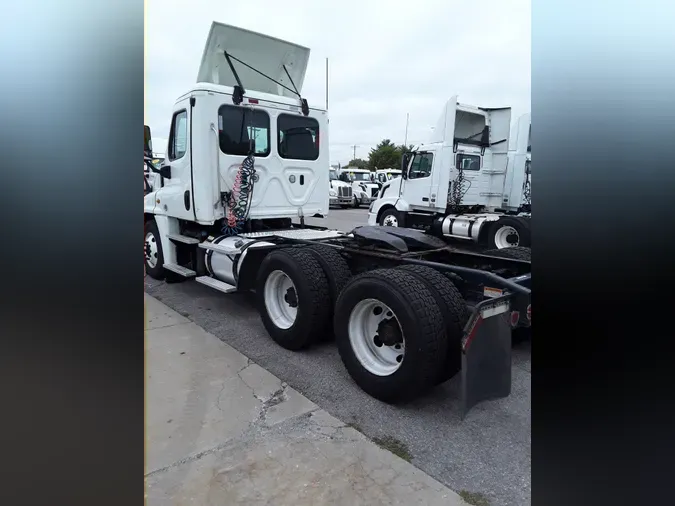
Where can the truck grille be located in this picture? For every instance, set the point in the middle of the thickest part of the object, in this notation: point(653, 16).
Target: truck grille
point(345, 191)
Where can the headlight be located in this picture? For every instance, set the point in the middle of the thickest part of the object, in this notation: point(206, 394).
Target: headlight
point(332, 193)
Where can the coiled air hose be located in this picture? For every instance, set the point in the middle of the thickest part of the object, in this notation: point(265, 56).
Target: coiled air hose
point(239, 199)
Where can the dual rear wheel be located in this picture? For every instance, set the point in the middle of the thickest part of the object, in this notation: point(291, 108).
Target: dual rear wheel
point(398, 331)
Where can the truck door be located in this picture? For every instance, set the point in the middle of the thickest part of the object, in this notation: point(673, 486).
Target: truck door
point(417, 187)
point(175, 198)
point(496, 156)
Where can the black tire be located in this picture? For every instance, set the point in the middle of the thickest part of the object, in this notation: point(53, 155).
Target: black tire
point(312, 292)
point(455, 314)
point(421, 322)
point(520, 225)
point(338, 275)
point(515, 252)
point(357, 203)
point(156, 272)
point(391, 211)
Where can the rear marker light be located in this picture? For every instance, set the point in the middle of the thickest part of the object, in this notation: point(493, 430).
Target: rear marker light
point(529, 312)
point(515, 317)
point(252, 100)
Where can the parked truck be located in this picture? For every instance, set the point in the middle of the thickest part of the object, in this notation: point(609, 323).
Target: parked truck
point(384, 175)
point(364, 188)
point(246, 155)
point(340, 192)
point(464, 184)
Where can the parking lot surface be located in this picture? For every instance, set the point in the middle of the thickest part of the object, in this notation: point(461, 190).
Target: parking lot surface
point(487, 454)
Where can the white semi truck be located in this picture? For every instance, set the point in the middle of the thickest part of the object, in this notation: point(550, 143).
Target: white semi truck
point(464, 184)
point(364, 188)
point(384, 175)
point(340, 193)
point(246, 154)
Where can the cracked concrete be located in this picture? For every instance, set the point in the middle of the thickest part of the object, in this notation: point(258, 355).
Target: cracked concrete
point(220, 429)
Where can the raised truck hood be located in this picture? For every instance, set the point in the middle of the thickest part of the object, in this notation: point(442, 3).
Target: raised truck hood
point(262, 52)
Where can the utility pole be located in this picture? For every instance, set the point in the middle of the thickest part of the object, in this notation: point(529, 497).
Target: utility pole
point(407, 117)
point(354, 147)
point(326, 83)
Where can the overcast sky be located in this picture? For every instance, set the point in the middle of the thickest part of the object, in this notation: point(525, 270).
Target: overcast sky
point(384, 61)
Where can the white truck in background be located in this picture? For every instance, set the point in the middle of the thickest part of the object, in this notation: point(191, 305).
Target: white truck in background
point(518, 182)
point(453, 186)
point(364, 188)
point(246, 155)
point(340, 193)
point(384, 175)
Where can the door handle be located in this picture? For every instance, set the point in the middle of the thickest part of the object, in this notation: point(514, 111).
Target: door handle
point(425, 199)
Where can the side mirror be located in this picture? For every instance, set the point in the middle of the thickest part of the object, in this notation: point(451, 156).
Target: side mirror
point(147, 145)
point(164, 170)
point(405, 160)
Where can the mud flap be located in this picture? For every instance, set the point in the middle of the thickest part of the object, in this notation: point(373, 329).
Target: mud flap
point(486, 353)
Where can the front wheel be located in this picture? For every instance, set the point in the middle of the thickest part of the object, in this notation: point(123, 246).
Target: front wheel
point(390, 218)
point(154, 257)
point(356, 202)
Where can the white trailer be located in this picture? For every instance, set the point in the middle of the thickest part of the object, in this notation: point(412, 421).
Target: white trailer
point(246, 154)
point(454, 185)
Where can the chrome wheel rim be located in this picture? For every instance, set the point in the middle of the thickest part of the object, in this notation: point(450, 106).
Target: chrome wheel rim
point(151, 250)
point(506, 237)
point(281, 299)
point(390, 221)
point(376, 337)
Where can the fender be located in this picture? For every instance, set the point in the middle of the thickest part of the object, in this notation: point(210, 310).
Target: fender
point(167, 225)
point(391, 190)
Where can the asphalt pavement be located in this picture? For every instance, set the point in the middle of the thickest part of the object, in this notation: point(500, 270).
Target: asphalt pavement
point(485, 456)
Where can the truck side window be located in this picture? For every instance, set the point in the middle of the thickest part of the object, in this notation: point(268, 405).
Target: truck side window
point(178, 137)
point(238, 126)
point(468, 162)
point(421, 166)
point(298, 137)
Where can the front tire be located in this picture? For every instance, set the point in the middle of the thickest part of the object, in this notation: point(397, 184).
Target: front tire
point(390, 334)
point(507, 232)
point(293, 297)
point(154, 256)
point(391, 218)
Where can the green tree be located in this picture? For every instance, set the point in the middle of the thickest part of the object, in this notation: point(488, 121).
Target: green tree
point(386, 154)
point(358, 162)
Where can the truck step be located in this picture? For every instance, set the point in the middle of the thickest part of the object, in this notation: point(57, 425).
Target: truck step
point(179, 269)
point(219, 248)
point(183, 238)
point(214, 283)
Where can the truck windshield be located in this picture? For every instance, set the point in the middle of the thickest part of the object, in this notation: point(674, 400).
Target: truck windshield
point(360, 176)
point(392, 175)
